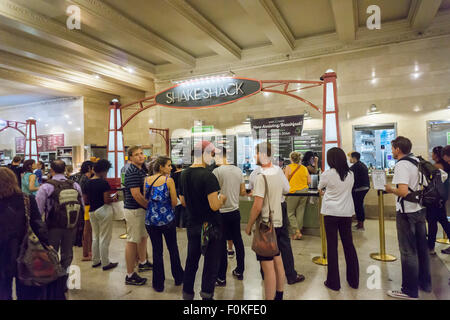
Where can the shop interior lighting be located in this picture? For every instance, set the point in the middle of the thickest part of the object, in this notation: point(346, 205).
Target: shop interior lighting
point(248, 120)
point(373, 110)
point(206, 78)
point(306, 116)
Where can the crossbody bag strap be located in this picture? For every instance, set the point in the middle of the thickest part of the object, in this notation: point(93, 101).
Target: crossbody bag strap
point(266, 194)
point(150, 188)
point(26, 200)
point(292, 175)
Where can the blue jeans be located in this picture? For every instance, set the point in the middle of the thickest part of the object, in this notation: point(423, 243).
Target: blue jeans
point(156, 234)
point(412, 241)
point(211, 264)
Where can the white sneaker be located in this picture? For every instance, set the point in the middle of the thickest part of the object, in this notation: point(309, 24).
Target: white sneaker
point(400, 295)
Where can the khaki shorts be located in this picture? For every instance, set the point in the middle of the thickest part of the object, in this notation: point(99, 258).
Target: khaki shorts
point(135, 219)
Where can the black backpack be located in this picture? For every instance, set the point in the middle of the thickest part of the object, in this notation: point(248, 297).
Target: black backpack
point(434, 194)
point(67, 206)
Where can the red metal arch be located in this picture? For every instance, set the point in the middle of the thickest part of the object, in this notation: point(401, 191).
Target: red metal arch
point(266, 86)
point(14, 125)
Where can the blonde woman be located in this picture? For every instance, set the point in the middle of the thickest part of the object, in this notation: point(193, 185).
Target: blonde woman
point(299, 178)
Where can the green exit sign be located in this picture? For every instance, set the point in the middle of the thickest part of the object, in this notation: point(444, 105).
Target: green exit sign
point(202, 129)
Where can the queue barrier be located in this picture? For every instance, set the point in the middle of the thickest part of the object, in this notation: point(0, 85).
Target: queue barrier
point(382, 255)
point(322, 259)
point(444, 239)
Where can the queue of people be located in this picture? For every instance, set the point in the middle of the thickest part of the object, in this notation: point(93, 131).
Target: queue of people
point(206, 198)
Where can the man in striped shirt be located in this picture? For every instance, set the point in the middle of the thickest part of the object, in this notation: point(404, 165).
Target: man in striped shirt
point(135, 205)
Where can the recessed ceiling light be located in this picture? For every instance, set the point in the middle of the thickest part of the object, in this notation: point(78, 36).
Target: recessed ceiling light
point(373, 81)
point(416, 75)
point(150, 121)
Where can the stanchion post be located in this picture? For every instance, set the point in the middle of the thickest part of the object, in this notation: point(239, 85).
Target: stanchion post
point(321, 260)
point(382, 256)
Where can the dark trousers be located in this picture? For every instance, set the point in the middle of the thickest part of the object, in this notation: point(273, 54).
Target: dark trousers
point(435, 215)
point(344, 226)
point(63, 239)
point(232, 231)
point(284, 244)
point(211, 264)
point(358, 201)
point(415, 259)
point(156, 234)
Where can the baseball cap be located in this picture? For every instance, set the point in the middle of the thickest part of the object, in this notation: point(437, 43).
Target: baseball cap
point(205, 145)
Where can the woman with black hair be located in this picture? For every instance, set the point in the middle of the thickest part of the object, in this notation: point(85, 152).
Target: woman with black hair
point(98, 196)
point(311, 162)
point(30, 184)
point(336, 185)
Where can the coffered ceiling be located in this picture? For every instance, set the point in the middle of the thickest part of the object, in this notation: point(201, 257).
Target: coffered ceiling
point(124, 47)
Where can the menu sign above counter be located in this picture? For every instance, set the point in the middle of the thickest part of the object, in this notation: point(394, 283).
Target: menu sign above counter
point(286, 126)
point(45, 143)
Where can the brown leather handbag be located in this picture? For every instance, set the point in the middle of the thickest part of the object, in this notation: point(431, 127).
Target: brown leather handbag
point(265, 239)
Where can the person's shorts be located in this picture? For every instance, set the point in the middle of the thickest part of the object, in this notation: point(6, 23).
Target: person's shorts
point(135, 219)
point(261, 258)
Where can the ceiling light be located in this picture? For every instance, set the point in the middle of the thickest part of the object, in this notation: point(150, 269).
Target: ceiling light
point(306, 116)
point(373, 107)
point(415, 75)
point(66, 116)
point(329, 71)
point(78, 129)
point(416, 68)
point(129, 69)
point(150, 121)
point(266, 93)
point(417, 109)
point(96, 76)
point(374, 81)
point(69, 122)
point(46, 124)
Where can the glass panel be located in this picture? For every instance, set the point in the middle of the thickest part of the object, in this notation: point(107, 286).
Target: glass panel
point(33, 147)
point(111, 144)
point(35, 158)
point(27, 147)
point(111, 119)
point(111, 172)
point(331, 130)
point(119, 119)
point(328, 146)
point(330, 97)
point(33, 132)
point(119, 141)
point(120, 161)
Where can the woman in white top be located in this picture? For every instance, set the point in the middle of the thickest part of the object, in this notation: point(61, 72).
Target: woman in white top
point(337, 207)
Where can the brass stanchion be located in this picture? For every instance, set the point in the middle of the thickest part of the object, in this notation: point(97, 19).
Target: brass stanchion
point(321, 260)
point(445, 239)
point(382, 256)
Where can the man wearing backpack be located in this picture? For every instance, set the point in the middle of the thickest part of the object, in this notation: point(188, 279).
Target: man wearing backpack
point(411, 224)
point(60, 202)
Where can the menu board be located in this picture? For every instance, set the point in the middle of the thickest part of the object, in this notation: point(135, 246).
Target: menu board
point(181, 151)
point(45, 143)
point(228, 142)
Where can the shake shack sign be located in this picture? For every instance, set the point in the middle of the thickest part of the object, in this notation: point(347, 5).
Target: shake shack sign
point(208, 93)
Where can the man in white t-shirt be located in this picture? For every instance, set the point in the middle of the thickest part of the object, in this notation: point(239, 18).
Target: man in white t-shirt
point(232, 185)
point(274, 276)
point(411, 224)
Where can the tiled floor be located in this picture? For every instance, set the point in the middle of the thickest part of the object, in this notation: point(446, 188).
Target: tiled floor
point(98, 284)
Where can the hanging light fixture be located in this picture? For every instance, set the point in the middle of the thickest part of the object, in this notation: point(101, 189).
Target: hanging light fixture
point(373, 110)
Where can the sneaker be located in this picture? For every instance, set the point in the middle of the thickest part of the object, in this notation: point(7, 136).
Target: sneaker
point(357, 227)
point(446, 251)
point(239, 276)
point(432, 252)
point(230, 254)
point(221, 283)
point(110, 266)
point(145, 267)
point(400, 295)
point(135, 280)
point(298, 278)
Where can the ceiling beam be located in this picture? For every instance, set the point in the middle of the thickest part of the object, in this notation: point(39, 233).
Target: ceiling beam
point(18, 44)
point(269, 18)
point(424, 13)
point(344, 19)
point(54, 85)
point(24, 19)
point(217, 41)
point(33, 67)
point(160, 47)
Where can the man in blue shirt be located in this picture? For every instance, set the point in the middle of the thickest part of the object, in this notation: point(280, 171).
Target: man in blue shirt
point(135, 206)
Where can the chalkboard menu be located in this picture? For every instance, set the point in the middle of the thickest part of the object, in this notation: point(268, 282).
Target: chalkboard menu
point(310, 140)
